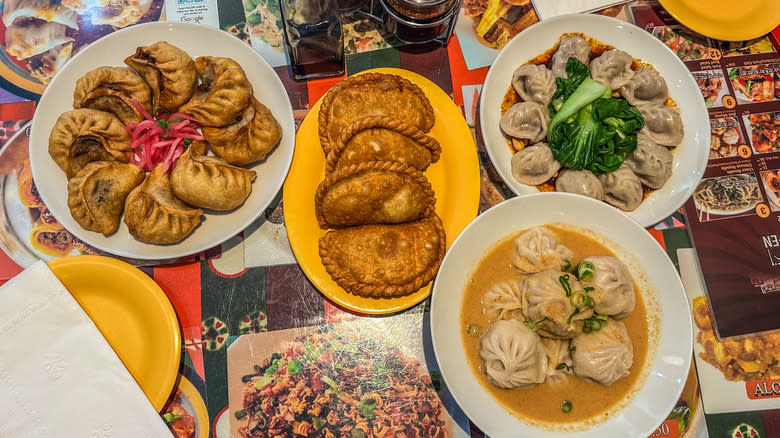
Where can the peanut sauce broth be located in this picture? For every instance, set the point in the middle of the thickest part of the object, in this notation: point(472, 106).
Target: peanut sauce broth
point(541, 405)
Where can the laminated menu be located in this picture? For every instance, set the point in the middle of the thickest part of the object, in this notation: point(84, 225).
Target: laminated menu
point(734, 213)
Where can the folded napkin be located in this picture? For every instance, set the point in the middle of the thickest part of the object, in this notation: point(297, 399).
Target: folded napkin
point(59, 377)
point(552, 8)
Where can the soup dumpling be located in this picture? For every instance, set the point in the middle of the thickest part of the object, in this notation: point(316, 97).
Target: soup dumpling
point(546, 305)
point(504, 300)
point(538, 249)
point(513, 355)
point(604, 356)
point(558, 352)
point(613, 292)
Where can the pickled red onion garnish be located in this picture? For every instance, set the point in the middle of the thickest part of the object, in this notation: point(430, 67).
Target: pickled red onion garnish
point(161, 139)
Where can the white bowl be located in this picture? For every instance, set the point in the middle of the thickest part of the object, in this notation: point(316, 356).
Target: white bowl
point(690, 157)
point(196, 40)
point(670, 326)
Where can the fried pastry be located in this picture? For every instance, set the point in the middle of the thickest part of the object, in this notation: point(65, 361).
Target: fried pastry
point(223, 93)
point(111, 89)
point(96, 194)
point(83, 135)
point(371, 94)
point(210, 182)
point(376, 192)
point(51, 238)
point(384, 261)
point(169, 71)
point(381, 138)
point(154, 215)
point(249, 139)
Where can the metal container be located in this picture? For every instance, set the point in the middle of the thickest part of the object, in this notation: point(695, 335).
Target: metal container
point(420, 21)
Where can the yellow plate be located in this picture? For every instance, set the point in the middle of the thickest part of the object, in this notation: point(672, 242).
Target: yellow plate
point(200, 413)
point(455, 179)
point(726, 19)
point(134, 315)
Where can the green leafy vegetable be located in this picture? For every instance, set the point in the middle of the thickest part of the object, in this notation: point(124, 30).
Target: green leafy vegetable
point(294, 367)
point(682, 414)
point(358, 433)
point(265, 380)
point(170, 417)
point(733, 73)
point(239, 414)
point(318, 423)
point(367, 406)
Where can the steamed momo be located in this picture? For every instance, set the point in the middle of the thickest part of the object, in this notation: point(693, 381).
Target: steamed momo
point(570, 46)
point(526, 120)
point(504, 300)
point(613, 292)
point(545, 303)
point(622, 188)
point(605, 356)
point(534, 165)
point(662, 124)
point(538, 249)
point(534, 83)
point(558, 352)
point(612, 69)
point(647, 87)
point(581, 182)
point(651, 162)
point(513, 355)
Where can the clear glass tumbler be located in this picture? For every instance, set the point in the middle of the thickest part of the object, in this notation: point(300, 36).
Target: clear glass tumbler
point(314, 38)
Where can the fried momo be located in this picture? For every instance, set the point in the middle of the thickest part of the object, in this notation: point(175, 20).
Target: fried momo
point(249, 139)
point(112, 89)
point(371, 94)
point(380, 138)
point(169, 71)
point(83, 135)
point(384, 261)
point(223, 93)
point(96, 194)
point(154, 215)
point(210, 182)
point(377, 192)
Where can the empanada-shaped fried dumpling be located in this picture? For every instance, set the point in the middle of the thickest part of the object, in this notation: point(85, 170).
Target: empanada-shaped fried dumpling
point(376, 192)
point(384, 260)
point(210, 182)
point(371, 94)
point(381, 138)
point(247, 140)
point(96, 195)
point(169, 71)
point(111, 89)
point(83, 135)
point(154, 215)
point(223, 93)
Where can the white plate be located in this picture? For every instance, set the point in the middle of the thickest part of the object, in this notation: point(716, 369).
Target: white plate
point(196, 40)
point(690, 158)
point(666, 368)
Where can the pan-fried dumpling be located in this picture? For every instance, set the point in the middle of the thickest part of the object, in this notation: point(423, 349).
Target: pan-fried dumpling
point(377, 192)
point(154, 215)
point(249, 139)
point(384, 260)
point(169, 71)
point(538, 249)
point(96, 195)
point(534, 83)
point(534, 164)
point(83, 135)
point(28, 37)
point(622, 188)
point(223, 93)
point(526, 120)
point(513, 355)
point(111, 89)
point(570, 46)
point(651, 162)
point(613, 292)
point(647, 87)
point(546, 304)
point(612, 69)
point(504, 300)
point(210, 182)
point(558, 352)
point(604, 356)
point(580, 181)
point(662, 124)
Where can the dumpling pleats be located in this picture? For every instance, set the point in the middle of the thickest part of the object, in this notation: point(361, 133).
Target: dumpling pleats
point(249, 139)
point(112, 89)
point(223, 93)
point(169, 71)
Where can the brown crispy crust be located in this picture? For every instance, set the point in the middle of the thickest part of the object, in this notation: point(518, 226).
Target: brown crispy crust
point(355, 287)
point(384, 166)
point(390, 123)
point(328, 144)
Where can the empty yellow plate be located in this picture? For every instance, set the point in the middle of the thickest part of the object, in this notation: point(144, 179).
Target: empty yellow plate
point(726, 19)
point(133, 314)
point(455, 179)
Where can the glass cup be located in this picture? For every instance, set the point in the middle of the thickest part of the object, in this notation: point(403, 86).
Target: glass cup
point(314, 38)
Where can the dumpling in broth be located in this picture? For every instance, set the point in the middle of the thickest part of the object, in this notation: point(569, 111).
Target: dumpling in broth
point(210, 182)
point(111, 89)
point(613, 292)
point(651, 162)
point(526, 120)
point(538, 249)
point(169, 71)
point(534, 165)
point(580, 181)
point(558, 352)
point(662, 124)
point(513, 355)
point(250, 138)
point(83, 135)
point(504, 300)
point(534, 83)
point(612, 69)
point(154, 215)
point(546, 304)
point(96, 194)
point(647, 87)
point(622, 188)
point(605, 356)
point(223, 93)
point(570, 46)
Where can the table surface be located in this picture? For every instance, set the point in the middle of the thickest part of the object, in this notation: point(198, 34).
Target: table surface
point(252, 283)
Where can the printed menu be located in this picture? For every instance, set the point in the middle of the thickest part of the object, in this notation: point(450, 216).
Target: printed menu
point(734, 213)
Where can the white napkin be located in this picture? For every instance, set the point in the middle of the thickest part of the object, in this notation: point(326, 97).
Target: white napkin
point(552, 8)
point(59, 377)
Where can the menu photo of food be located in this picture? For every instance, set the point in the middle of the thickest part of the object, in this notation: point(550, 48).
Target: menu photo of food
point(363, 378)
point(727, 196)
point(756, 83)
point(264, 29)
point(750, 47)
point(763, 131)
point(688, 45)
point(186, 414)
point(712, 86)
point(725, 137)
point(771, 181)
